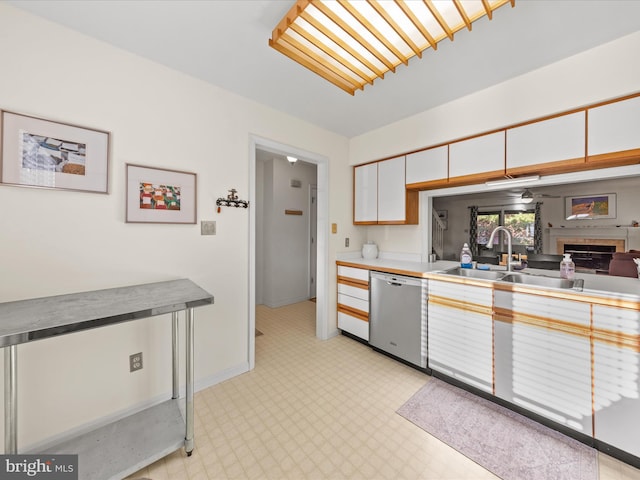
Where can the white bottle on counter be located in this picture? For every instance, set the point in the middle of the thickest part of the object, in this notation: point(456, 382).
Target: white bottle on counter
point(369, 251)
point(466, 258)
point(567, 267)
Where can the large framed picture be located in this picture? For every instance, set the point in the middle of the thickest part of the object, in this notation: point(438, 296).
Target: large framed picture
point(159, 195)
point(589, 207)
point(42, 153)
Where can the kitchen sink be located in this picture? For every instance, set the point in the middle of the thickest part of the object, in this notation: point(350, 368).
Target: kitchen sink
point(472, 273)
point(542, 281)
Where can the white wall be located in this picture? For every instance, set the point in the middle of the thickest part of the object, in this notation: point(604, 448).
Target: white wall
point(56, 242)
point(608, 71)
point(285, 275)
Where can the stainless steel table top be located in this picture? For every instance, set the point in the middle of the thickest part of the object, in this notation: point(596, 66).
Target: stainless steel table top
point(28, 320)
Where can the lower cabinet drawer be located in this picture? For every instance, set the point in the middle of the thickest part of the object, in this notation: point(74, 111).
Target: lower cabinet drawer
point(361, 293)
point(353, 325)
point(357, 303)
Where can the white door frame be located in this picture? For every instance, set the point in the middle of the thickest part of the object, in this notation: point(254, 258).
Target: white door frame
point(322, 278)
point(313, 239)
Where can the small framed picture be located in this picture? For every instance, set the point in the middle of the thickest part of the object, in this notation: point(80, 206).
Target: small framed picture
point(590, 207)
point(42, 153)
point(159, 195)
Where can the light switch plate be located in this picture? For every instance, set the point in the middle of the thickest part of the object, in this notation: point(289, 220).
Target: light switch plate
point(207, 227)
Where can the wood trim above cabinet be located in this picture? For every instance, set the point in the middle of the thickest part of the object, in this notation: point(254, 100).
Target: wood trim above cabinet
point(476, 178)
point(628, 157)
point(563, 166)
point(430, 185)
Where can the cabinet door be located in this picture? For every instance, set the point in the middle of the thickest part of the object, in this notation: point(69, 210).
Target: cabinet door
point(428, 166)
point(460, 340)
point(391, 190)
point(546, 342)
point(617, 377)
point(365, 193)
point(479, 155)
point(614, 127)
point(559, 139)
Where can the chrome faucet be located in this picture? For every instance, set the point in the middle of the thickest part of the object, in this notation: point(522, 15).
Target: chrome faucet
point(509, 247)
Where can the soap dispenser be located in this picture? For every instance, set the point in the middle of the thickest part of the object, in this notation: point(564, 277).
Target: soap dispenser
point(466, 258)
point(567, 267)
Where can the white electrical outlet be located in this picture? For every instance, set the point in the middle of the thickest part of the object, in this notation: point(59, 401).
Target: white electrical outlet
point(135, 362)
point(207, 227)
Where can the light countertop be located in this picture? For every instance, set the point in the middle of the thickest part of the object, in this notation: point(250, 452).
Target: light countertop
point(611, 287)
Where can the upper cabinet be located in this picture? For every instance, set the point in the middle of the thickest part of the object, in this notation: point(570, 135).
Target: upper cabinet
point(477, 159)
point(614, 132)
point(545, 145)
point(428, 168)
point(380, 195)
point(605, 135)
point(365, 194)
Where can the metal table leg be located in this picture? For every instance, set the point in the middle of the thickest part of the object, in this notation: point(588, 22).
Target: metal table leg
point(188, 440)
point(174, 355)
point(11, 400)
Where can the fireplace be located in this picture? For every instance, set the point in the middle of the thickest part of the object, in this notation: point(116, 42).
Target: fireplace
point(591, 255)
point(591, 258)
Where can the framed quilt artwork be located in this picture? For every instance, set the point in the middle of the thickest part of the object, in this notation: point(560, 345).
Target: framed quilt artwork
point(158, 195)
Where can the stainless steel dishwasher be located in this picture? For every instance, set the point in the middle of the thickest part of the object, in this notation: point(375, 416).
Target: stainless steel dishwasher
point(397, 317)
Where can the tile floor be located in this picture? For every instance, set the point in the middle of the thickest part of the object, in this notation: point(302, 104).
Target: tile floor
point(318, 410)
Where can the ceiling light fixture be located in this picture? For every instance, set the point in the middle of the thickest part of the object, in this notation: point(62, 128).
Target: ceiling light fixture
point(352, 43)
point(527, 196)
point(512, 181)
point(291, 159)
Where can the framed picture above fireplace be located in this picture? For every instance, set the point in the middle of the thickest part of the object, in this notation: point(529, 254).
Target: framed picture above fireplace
point(590, 207)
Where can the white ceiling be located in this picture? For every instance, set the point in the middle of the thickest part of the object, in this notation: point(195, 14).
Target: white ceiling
point(225, 42)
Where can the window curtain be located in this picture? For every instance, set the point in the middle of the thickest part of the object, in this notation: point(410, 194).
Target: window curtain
point(537, 230)
point(473, 230)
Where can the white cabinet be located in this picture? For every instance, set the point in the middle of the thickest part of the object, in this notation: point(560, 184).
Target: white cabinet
point(553, 140)
point(460, 337)
point(365, 193)
point(380, 195)
point(617, 376)
point(427, 166)
point(478, 155)
point(543, 357)
point(614, 127)
point(391, 190)
point(353, 301)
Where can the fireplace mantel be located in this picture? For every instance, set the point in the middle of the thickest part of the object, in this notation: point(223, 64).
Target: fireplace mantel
point(624, 238)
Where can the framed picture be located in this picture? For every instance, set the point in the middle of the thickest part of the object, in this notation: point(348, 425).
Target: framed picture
point(589, 207)
point(42, 153)
point(158, 195)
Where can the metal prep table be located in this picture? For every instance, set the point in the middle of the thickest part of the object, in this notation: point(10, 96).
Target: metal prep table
point(108, 452)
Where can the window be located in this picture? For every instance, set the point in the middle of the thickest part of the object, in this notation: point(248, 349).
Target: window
point(487, 222)
point(521, 224)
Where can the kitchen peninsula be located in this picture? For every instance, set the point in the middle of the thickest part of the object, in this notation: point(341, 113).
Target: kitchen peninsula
point(569, 358)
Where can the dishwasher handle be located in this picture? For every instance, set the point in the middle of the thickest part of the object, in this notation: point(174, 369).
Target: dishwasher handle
point(396, 280)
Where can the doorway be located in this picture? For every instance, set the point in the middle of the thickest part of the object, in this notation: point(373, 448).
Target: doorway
point(322, 234)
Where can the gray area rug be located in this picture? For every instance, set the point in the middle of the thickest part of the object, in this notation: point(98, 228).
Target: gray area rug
point(506, 443)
